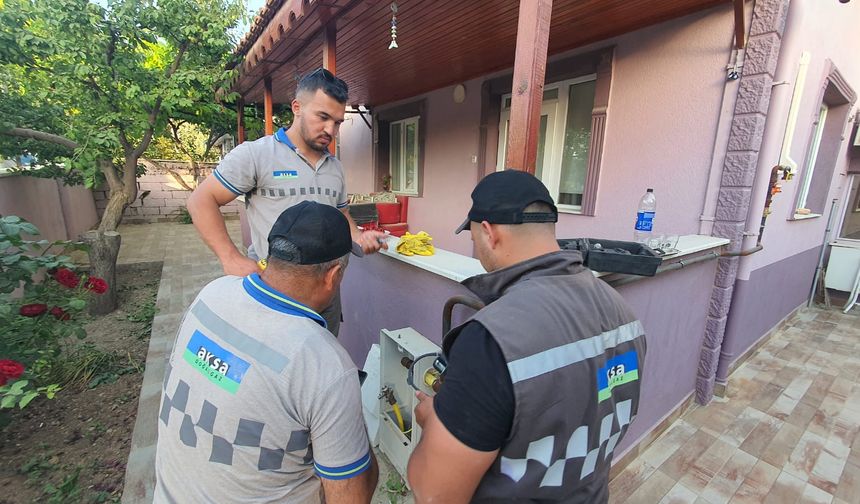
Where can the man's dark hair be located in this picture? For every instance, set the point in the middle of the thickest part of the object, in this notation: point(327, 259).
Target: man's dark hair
point(325, 80)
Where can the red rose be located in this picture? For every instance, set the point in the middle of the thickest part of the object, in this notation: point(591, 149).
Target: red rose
point(33, 309)
point(96, 285)
point(59, 313)
point(11, 369)
point(2, 380)
point(67, 277)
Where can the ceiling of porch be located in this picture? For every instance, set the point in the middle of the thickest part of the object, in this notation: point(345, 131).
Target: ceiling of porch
point(442, 42)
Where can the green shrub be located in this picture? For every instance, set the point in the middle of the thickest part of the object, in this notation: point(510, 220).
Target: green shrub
point(42, 300)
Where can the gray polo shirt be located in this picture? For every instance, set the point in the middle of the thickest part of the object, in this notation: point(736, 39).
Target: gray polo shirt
point(274, 176)
point(260, 401)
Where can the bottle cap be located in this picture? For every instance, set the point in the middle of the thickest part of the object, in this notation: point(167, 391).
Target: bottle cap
point(649, 190)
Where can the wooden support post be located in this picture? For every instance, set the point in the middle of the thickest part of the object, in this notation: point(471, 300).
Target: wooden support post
point(330, 47)
point(240, 121)
point(330, 62)
point(740, 24)
point(267, 105)
point(527, 94)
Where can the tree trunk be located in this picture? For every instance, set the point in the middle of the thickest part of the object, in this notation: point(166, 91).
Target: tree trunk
point(104, 249)
point(113, 212)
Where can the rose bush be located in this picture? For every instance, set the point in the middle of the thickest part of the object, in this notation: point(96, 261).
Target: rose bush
point(41, 300)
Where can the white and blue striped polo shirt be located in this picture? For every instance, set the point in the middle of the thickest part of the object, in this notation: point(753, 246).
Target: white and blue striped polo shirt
point(274, 176)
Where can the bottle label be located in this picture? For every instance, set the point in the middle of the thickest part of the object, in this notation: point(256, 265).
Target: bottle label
point(644, 221)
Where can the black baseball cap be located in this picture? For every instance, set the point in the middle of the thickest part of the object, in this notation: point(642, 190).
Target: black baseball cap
point(501, 197)
point(320, 232)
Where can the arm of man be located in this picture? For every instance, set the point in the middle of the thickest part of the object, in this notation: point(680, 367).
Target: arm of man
point(370, 241)
point(343, 458)
point(357, 490)
point(466, 424)
point(214, 192)
point(442, 468)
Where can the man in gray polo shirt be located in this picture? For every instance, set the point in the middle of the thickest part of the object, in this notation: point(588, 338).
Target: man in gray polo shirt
point(260, 402)
point(278, 171)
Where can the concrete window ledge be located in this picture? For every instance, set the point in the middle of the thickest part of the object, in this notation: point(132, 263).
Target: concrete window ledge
point(798, 217)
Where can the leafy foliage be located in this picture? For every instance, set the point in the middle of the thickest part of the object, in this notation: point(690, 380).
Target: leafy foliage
point(41, 300)
point(104, 79)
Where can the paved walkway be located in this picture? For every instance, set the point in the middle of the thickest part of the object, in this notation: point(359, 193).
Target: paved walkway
point(188, 266)
point(786, 433)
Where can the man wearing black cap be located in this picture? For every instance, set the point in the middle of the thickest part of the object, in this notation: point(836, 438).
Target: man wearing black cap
point(543, 382)
point(260, 402)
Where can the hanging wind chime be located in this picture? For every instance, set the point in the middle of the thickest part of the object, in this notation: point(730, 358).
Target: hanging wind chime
point(393, 44)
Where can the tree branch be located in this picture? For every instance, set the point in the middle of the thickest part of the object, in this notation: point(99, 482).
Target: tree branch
point(107, 168)
point(42, 136)
point(156, 109)
point(123, 139)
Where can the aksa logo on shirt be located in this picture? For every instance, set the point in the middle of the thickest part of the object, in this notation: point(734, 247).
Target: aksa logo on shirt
point(285, 174)
point(215, 362)
point(618, 370)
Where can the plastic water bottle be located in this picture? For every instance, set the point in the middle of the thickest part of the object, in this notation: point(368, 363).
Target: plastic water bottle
point(645, 217)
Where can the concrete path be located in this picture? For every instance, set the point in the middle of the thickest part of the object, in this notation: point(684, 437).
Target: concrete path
point(787, 432)
point(188, 266)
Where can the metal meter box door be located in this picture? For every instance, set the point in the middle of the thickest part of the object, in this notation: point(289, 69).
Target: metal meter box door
point(400, 351)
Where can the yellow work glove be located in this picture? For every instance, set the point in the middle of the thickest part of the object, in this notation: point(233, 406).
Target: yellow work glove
point(415, 244)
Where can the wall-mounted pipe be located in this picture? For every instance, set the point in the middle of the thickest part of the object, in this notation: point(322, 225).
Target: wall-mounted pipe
point(448, 309)
point(743, 253)
point(683, 263)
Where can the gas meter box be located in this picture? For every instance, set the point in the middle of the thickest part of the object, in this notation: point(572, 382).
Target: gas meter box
point(406, 365)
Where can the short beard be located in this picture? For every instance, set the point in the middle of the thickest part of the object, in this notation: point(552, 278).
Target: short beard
point(310, 142)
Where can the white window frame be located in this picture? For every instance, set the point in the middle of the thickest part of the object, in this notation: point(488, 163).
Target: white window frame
point(556, 110)
point(809, 172)
point(402, 161)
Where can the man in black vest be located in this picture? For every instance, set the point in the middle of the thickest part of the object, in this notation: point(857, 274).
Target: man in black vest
point(544, 381)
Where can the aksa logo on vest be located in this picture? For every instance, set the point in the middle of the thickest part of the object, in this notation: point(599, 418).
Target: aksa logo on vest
point(213, 361)
point(618, 370)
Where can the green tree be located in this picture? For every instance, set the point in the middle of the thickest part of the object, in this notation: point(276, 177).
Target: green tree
point(88, 87)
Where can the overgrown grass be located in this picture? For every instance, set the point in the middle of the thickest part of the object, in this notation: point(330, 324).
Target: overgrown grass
point(143, 312)
point(183, 216)
point(87, 366)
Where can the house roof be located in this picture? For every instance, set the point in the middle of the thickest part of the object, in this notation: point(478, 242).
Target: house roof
point(441, 42)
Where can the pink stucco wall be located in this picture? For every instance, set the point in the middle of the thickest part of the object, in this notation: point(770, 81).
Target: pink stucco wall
point(775, 281)
point(354, 146)
point(663, 110)
point(60, 212)
point(823, 29)
point(449, 173)
point(664, 107)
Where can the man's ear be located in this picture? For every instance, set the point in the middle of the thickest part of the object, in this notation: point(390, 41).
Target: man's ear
point(491, 234)
point(333, 277)
point(296, 106)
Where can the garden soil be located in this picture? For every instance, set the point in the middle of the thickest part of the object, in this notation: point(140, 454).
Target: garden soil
point(74, 448)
